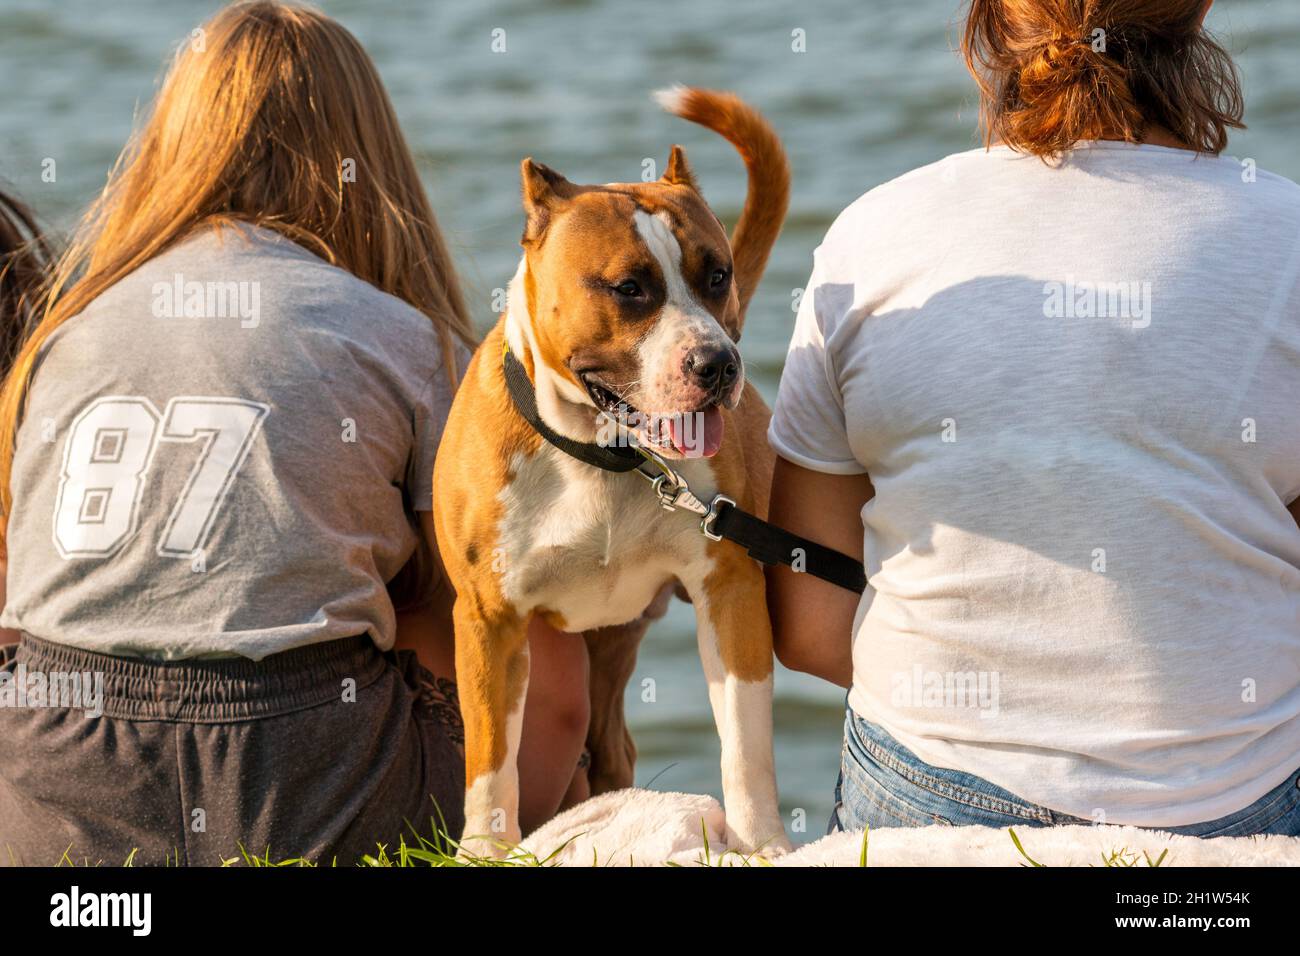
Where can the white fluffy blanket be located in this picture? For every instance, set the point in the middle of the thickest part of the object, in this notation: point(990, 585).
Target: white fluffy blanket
point(647, 828)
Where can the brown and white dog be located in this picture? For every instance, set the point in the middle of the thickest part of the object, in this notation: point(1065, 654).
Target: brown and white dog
point(629, 299)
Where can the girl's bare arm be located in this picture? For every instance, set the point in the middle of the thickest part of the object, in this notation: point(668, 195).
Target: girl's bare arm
point(812, 620)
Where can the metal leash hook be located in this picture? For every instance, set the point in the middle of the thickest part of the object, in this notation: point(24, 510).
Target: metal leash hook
point(673, 493)
point(669, 487)
point(706, 523)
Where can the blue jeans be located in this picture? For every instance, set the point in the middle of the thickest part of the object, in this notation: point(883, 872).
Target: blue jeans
point(883, 784)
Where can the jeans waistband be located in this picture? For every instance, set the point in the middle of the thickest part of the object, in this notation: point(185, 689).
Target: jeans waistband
point(208, 691)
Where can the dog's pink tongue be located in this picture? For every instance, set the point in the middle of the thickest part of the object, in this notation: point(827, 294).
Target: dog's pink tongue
point(698, 435)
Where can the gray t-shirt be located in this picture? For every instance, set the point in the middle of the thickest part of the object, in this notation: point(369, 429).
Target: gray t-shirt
point(222, 456)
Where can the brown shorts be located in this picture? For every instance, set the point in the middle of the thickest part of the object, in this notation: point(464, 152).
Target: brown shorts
point(323, 753)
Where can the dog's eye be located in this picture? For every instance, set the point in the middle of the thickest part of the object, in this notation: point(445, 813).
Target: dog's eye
point(718, 278)
point(628, 288)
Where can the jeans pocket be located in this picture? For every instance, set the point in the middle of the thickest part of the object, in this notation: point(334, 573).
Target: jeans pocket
point(1286, 822)
point(835, 824)
point(875, 794)
point(1277, 812)
point(878, 801)
point(947, 796)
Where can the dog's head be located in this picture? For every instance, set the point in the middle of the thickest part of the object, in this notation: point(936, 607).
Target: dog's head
point(632, 305)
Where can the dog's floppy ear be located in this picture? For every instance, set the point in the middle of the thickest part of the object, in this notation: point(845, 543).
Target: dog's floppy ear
point(679, 172)
point(543, 188)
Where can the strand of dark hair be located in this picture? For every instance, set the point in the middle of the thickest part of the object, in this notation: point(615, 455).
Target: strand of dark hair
point(25, 259)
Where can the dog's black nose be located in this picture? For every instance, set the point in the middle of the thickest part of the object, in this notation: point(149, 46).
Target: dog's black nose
point(713, 369)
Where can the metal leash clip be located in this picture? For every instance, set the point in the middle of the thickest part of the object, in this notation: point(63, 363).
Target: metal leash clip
point(669, 487)
point(673, 492)
point(707, 522)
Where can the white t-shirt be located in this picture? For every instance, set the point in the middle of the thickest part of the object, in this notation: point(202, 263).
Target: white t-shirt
point(1076, 390)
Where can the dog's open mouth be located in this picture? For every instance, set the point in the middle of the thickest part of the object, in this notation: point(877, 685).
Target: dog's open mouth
point(696, 434)
point(605, 398)
point(625, 414)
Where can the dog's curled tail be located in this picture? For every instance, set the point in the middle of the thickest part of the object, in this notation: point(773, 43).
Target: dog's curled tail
point(768, 193)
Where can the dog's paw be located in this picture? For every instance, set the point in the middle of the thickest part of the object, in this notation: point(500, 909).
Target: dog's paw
point(475, 849)
point(774, 849)
point(767, 847)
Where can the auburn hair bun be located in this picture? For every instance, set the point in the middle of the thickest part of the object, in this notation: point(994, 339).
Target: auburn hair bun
point(1053, 73)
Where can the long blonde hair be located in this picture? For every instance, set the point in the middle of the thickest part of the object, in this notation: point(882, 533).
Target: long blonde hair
point(262, 117)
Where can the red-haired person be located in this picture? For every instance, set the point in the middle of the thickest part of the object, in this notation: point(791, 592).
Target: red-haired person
point(1048, 390)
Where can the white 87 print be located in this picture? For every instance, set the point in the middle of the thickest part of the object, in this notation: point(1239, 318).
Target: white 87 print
point(106, 459)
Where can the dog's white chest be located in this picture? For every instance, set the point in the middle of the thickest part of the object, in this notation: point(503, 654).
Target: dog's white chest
point(593, 547)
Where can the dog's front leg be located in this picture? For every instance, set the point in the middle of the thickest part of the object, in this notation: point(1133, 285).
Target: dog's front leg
point(735, 638)
point(492, 679)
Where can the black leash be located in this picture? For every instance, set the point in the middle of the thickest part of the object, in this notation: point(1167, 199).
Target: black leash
point(768, 544)
point(720, 520)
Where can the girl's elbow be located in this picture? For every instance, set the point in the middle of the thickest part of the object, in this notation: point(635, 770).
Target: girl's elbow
point(810, 658)
point(789, 652)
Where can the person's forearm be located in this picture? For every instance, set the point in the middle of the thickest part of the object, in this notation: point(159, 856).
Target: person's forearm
point(556, 716)
point(427, 630)
point(811, 637)
point(7, 636)
point(812, 620)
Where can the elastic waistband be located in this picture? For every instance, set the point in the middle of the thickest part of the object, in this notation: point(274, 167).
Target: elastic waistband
point(207, 691)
